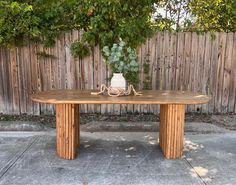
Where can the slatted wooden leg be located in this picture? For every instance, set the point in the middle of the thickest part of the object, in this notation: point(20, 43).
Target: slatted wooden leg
point(78, 125)
point(172, 130)
point(67, 126)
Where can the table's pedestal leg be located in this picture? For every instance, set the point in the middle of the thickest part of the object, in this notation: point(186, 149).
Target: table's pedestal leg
point(67, 126)
point(172, 130)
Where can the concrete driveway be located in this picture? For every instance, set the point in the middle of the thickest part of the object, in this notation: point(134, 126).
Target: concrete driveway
point(117, 158)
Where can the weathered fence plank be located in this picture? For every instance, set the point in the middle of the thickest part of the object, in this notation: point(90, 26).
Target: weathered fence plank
point(213, 72)
point(227, 73)
point(181, 61)
point(232, 89)
point(2, 104)
point(220, 71)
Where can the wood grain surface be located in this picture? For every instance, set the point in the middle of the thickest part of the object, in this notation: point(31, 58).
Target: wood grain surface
point(67, 118)
point(148, 97)
point(171, 135)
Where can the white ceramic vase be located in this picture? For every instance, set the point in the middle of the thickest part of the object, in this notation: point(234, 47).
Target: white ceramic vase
point(118, 81)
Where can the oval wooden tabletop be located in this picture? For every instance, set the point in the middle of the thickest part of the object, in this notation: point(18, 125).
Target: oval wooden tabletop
point(147, 97)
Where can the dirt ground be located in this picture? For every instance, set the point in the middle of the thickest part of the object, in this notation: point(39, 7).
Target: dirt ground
point(227, 120)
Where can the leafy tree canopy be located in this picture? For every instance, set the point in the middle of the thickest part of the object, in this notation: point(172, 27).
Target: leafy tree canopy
point(104, 22)
point(200, 15)
point(213, 15)
point(17, 20)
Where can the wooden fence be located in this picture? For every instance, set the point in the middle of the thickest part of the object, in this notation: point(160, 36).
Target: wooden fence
point(183, 61)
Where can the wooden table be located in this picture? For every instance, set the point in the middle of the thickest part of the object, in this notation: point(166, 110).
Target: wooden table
point(172, 111)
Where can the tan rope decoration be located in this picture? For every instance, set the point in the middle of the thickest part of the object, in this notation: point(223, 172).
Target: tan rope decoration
point(115, 92)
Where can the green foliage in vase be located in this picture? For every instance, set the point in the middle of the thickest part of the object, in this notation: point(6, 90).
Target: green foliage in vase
point(122, 59)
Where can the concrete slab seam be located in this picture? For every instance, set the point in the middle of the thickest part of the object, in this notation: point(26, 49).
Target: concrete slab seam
point(16, 158)
point(195, 171)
